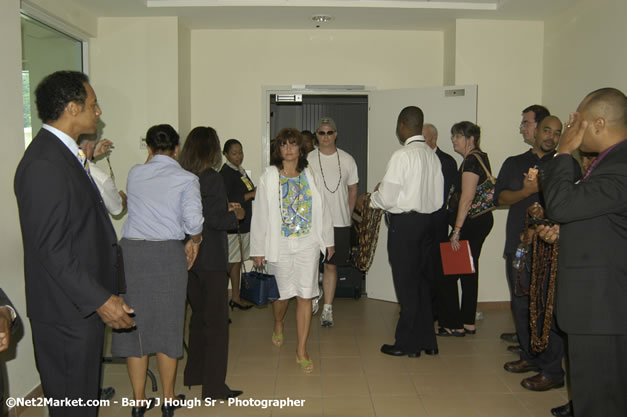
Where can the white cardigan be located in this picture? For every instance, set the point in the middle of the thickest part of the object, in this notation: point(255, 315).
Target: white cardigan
point(265, 227)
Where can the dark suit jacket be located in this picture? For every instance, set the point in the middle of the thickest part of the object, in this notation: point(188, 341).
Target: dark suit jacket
point(592, 275)
point(213, 253)
point(449, 171)
point(69, 241)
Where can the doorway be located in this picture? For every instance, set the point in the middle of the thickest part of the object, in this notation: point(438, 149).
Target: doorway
point(350, 113)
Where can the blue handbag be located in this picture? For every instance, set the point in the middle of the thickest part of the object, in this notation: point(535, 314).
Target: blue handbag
point(259, 287)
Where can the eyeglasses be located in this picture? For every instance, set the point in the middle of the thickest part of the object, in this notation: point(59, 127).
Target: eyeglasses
point(455, 136)
point(328, 133)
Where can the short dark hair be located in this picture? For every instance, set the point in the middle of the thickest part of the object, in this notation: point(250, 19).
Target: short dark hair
point(539, 112)
point(413, 118)
point(57, 90)
point(307, 133)
point(201, 150)
point(162, 138)
point(229, 143)
point(614, 99)
point(468, 129)
point(291, 135)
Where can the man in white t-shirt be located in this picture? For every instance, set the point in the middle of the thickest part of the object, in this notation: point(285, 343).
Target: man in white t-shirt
point(339, 174)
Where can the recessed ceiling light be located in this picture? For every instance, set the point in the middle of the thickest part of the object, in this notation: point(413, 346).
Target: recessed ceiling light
point(321, 18)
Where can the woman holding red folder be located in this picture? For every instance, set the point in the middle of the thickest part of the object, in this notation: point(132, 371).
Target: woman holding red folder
point(453, 319)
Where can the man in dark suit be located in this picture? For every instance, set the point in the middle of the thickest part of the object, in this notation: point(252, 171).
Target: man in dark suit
point(70, 247)
point(9, 323)
point(449, 171)
point(592, 274)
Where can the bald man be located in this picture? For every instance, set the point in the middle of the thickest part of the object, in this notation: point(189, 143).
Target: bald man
point(592, 274)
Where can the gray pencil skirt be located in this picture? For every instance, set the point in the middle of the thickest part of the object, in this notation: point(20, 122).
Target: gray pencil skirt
point(156, 282)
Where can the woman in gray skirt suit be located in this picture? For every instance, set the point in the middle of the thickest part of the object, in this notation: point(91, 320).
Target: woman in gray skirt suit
point(207, 285)
point(160, 240)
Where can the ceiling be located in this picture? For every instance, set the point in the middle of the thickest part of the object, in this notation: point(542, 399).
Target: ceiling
point(347, 14)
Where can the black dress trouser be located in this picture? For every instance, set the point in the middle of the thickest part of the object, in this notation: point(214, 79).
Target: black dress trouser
point(69, 360)
point(452, 316)
point(208, 350)
point(597, 366)
point(410, 241)
point(550, 359)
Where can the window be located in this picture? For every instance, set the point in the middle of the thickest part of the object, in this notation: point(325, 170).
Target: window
point(44, 50)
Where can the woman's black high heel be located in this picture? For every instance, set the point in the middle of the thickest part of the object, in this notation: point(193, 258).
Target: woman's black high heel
point(139, 411)
point(233, 305)
point(168, 410)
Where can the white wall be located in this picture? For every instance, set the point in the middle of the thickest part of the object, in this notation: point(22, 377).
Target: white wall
point(135, 73)
point(584, 50)
point(504, 58)
point(229, 68)
point(22, 374)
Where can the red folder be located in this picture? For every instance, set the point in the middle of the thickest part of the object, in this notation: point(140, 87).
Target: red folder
point(457, 262)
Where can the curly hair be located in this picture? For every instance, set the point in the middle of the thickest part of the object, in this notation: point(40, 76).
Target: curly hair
point(57, 90)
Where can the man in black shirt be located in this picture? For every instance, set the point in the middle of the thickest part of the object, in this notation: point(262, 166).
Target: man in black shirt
point(514, 172)
point(449, 170)
point(518, 194)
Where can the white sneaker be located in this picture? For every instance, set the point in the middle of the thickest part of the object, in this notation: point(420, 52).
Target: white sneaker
point(315, 306)
point(326, 318)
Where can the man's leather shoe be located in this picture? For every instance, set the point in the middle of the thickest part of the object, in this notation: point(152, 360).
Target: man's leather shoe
point(509, 337)
point(392, 350)
point(514, 348)
point(520, 366)
point(431, 352)
point(107, 393)
point(565, 410)
point(540, 383)
point(413, 354)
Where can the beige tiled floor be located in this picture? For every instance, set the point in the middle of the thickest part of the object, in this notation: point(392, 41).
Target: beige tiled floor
point(352, 378)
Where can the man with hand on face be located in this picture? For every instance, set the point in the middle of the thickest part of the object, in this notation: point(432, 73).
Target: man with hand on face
point(549, 361)
point(412, 190)
point(71, 254)
point(339, 176)
point(516, 189)
point(592, 274)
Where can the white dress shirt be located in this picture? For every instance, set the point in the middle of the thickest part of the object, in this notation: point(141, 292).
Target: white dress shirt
point(108, 190)
point(413, 180)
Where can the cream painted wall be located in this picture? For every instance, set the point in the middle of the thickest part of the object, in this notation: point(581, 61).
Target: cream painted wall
point(229, 68)
point(505, 59)
point(22, 374)
point(584, 49)
point(135, 73)
point(185, 80)
point(449, 54)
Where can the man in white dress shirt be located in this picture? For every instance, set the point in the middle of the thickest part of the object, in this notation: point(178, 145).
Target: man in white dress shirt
point(339, 176)
point(411, 190)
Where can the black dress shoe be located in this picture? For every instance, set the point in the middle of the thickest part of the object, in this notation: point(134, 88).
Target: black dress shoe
point(107, 393)
point(392, 350)
point(565, 410)
point(413, 354)
point(468, 331)
point(168, 410)
point(509, 337)
point(233, 305)
point(234, 393)
point(431, 352)
point(229, 394)
point(452, 332)
point(514, 348)
point(139, 411)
